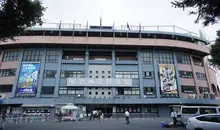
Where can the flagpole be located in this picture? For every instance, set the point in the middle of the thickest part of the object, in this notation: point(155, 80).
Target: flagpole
point(113, 27)
point(73, 28)
point(87, 33)
point(140, 29)
point(100, 27)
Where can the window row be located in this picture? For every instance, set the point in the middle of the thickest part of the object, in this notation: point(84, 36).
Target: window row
point(127, 91)
point(130, 108)
point(203, 90)
point(147, 58)
point(188, 89)
point(97, 72)
point(7, 72)
point(164, 58)
point(32, 55)
point(197, 61)
point(71, 91)
point(200, 76)
point(183, 59)
point(72, 74)
point(99, 93)
point(11, 56)
point(52, 56)
point(126, 75)
point(148, 75)
point(186, 74)
point(47, 90)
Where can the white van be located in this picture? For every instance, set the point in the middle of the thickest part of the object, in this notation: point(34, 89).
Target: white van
point(185, 112)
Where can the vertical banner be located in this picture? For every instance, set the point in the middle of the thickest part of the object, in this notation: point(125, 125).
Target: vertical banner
point(27, 82)
point(167, 79)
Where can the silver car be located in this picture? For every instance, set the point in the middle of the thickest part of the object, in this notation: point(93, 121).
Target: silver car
point(204, 122)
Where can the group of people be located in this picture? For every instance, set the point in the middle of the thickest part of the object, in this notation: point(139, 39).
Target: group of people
point(97, 114)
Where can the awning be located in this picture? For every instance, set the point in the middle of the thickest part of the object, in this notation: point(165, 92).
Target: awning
point(37, 105)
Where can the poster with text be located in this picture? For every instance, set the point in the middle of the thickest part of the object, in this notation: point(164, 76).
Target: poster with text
point(27, 82)
point(168, 81)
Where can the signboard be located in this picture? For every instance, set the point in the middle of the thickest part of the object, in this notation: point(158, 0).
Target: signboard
point(98, 82)
point(167, 79)
point(27, 82)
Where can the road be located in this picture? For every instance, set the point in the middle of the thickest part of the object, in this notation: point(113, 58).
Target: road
point(136, 124)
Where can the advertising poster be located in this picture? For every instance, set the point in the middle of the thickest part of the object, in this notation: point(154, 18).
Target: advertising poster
point(27, 82)
point(168, 81)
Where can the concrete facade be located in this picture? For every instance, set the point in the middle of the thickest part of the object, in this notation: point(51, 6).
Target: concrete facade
point(90, 60)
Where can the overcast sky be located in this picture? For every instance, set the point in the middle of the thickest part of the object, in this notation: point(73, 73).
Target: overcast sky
point(147, 12)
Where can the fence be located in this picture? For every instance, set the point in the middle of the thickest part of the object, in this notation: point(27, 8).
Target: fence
point(19, 118)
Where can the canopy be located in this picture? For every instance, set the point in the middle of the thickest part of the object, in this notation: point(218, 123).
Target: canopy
point(70, 106)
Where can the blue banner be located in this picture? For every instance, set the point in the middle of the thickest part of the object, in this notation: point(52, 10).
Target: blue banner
point(27, 82)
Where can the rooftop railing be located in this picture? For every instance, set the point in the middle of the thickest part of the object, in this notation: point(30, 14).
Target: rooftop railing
point(132, 28)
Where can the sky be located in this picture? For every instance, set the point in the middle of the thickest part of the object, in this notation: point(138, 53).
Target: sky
point(145, 12)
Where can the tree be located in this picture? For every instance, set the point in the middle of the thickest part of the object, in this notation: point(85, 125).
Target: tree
point(18, 15)
point(215, 51)
point(207, 11)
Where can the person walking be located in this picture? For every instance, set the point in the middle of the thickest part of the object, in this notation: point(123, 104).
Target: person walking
point(127, 117)
point(174, 117)
point(59, 116)
point(3, 119)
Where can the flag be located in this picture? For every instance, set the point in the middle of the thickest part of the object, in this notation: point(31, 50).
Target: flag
point(128, 26)
point(60, 27)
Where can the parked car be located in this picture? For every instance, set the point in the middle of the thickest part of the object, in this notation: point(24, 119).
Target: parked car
point(204, 122)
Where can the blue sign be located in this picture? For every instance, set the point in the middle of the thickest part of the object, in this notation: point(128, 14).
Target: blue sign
point(27, 82)
point(0, 100)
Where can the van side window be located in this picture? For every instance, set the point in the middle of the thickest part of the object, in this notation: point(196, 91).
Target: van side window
point(207, 110)
point(189, 110)
point(210, 118)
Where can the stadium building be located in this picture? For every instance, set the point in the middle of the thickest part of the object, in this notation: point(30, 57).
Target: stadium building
point(144, 69)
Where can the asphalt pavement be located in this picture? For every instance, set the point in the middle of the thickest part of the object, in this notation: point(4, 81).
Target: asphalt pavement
point(136, 124)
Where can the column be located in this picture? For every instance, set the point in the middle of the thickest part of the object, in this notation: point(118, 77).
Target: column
point(57, 85)
point(177, 75)
point(113, 72)
point(86, 69)
point(140, 74)
point(156, 76)
point(194, 76)
point(13, 92)
point(41, 74)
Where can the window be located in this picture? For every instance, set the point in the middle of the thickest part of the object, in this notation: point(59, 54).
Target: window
point(207, 110)
point(130, 108)
point(72, 74)
point(7, 72)
point(103, 76)
point(127, 91)
point(90, 93)
point(147, 58)
point(90, 76)
point(126, 75)
point(50, 73)
point(109, 76)
point(97, 77)
point(32, 55)
point(47, 90)
point(186, 74)
point(203, 89)
point(103, 72)
point(103, 93)
point(52, 56)
point(148, 75)
point(188, 89)
point(97, 72)
point(164, 58)
point(96, 93)
point(150, 91)
point(11, 56)
point(151, 109)
point(209, 118)
point(183, 59)
point(109, 93)
point(197, 61)
point(109, 72)
point(189, 110)
point(71, 91)
point(6, 88)
point(90, 72)
point(200, 76)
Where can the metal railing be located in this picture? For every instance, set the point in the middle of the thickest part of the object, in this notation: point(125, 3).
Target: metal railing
point(132, 28)
point(19, 118)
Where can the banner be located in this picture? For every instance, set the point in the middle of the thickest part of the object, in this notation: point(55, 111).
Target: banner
point(167, 79)
point(27, 82)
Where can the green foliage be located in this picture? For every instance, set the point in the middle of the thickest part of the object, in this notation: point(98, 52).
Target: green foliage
point(207, 11)
point(215, 51)
point(17, 15)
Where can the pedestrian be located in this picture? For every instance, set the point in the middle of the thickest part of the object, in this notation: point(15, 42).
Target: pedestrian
point(3, 119)
point(127, 117)
point(59, 116)
point(174, 117)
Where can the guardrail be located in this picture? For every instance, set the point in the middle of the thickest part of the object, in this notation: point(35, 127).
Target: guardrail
point(19, 118)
